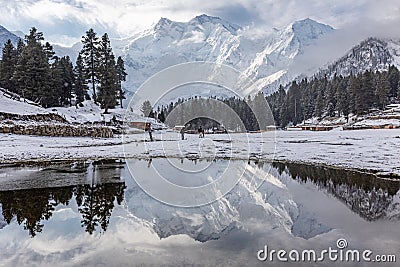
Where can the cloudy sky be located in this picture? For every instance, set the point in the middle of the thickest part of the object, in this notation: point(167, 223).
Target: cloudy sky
point(65, 21)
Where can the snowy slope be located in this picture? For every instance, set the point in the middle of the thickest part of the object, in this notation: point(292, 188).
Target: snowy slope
point(8, 105)
point(372, 54)
point(88, 112)
point(168, 43)
point(5, 35)
point(72, 51)
point(275, 60)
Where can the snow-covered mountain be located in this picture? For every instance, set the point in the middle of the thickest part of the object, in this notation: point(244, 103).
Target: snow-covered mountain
point(72, 52)
point(274, 62)
point(372, 54)
point(265, 58)
point(5, 35)
point(205, 38)
point(14, 36)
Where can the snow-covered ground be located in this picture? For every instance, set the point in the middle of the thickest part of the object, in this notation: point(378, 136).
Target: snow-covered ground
point(88, 112)
point(362, 149)
point(8, 105)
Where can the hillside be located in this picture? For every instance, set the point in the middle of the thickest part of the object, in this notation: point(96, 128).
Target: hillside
point(371, 54)
point(5, 35)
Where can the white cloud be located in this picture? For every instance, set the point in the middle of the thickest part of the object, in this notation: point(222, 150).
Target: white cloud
point(123, 18)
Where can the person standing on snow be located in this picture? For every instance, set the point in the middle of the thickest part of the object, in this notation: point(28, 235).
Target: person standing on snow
point(183, 133)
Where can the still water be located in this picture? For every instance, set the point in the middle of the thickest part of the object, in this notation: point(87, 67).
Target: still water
point(96, 213)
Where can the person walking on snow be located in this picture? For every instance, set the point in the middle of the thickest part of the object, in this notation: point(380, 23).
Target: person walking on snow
point(183, 133)
point(201, 132)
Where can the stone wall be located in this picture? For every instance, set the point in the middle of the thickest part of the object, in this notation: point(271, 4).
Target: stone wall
point(56, 130)
point(50, 124)
point(47, 117)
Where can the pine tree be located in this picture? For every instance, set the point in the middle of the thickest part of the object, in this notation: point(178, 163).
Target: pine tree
point(90, 58)
point(330, 99)
point(68, 80)
point(54, 98)
point(351, 89)
point(383, 89)
point(295, 110)
point(367, 92)
point(398, 91)
point(54, 95)
point(307, 96)
point(20, 47)
point(282, 108)
point(342, 96)
point(394, 80)
point(7, 66)
point(319, 101)
point(121, 77)
point(80, 86)
point(32, 72)
point(107, 75)
point(161, 116)
point(146, 108)
point(48, 49)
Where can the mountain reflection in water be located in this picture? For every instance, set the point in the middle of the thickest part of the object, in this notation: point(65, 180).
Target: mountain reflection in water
point(102, 189)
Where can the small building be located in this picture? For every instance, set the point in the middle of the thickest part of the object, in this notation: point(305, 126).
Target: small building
point(271, 128)
point(178, 127)
point(293, 128)
point(316, 128)
point(143, 125)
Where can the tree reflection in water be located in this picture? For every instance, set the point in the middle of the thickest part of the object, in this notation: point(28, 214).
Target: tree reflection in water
point(366, 194)
point(96, 203)
point(369, 196)
point(31, 207)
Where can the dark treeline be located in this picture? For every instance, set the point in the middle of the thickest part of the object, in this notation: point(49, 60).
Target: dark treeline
point(33, 71)
point(233, 113)
point(339, 96)
point(315, 98)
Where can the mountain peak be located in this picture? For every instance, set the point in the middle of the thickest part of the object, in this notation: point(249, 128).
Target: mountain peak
point(204, 19)
point(162, 23)
point(310, 25)
point(5, 35)
point(308, 29)
point(305, 21)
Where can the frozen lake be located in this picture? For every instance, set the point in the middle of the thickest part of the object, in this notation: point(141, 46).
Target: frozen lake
point(97, 214)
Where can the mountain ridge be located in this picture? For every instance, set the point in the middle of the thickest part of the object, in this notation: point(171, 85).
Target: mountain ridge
point(5, 35)
point(207, 38)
